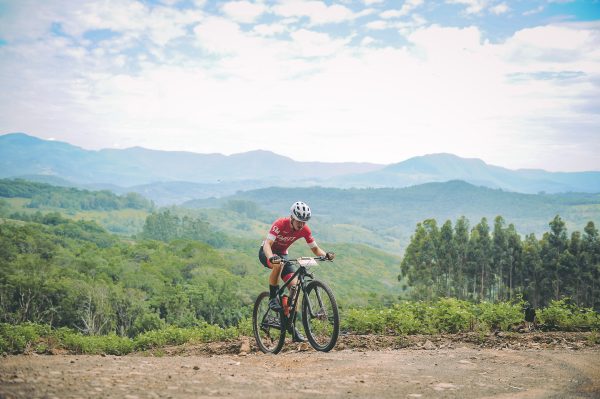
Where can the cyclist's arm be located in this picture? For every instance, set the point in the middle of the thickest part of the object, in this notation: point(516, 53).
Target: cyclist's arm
point(318, 251)
point(267, 248)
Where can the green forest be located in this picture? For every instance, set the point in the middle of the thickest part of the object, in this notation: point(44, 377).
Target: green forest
point(178, 271)
point(495, 264)
point(46, 195)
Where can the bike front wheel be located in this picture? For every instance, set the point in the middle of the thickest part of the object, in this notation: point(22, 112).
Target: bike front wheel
point(268, 326)
point(320, 316)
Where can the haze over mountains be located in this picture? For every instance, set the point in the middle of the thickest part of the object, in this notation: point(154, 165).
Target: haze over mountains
point(174, 177)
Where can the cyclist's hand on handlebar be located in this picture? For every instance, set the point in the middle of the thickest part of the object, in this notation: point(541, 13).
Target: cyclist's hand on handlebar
point(275, 259)
point(330, 255)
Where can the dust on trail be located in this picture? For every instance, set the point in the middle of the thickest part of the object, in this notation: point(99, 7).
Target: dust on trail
point(457, 371)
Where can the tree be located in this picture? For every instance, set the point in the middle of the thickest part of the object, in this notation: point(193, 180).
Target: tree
point(554, 244)
point(482, 249)
point(532, 270)
point(447, 256)
point(420, 263)
point(514, 259)
point(499, 258)
point(461, 246)
point(590, 270)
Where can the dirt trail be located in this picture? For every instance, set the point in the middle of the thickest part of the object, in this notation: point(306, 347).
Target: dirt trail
point(463, 371)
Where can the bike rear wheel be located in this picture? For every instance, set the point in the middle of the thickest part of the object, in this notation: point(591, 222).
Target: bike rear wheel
point(268, 326)
point(320, 316)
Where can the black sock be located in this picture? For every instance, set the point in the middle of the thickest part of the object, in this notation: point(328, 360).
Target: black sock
point(273, 291)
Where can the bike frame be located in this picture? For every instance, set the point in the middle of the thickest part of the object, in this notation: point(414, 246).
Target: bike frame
point(304, 277)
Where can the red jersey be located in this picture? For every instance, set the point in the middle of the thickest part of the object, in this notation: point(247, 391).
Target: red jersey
point(283, 235)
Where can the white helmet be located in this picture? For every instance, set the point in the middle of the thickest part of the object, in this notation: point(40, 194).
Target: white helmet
point(300, 211)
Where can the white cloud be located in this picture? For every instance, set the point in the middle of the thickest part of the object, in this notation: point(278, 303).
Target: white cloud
point(318, 12)
point(270, 30)
point(534, 11)
point(388, 14)
point(243, 11)
point(377, 25)
point(130, 20)
point(316, 44)
point(553, 45)
point(436, 39)
point(473, 6)
point(407, 7)
point(517, 103)
point(366, 41)
point(220, 35)
point(498, 9)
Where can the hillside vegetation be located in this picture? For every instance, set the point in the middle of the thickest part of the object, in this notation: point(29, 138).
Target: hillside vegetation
point(45, 195)
point(60, 271)
point(385, 218)
point(193, 274)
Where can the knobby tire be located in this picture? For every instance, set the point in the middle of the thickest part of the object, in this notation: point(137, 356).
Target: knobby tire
point(269, 338)
point(318, 306)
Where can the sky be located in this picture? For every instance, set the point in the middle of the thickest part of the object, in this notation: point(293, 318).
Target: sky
point(514, 83)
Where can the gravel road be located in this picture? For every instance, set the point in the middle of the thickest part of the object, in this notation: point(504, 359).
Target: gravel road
point(460, 372)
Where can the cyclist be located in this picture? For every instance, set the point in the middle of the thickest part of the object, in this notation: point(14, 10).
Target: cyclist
point(273, 251)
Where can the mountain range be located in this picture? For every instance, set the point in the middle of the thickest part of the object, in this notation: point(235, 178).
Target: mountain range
point(169, 177)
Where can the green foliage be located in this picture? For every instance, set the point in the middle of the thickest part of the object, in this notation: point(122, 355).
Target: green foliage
point(148, 322)
point(167, 226)
point(451, 315)
point(17, 338)
point(45, 195)
point(447, 315)
point(74, 274)
point(499, 266)
point(385, 218)
point(244, 327)
point(249, 209)
point(110, 344)
point(29, 336)
point(564, 314)
point(400, 319)
point(499, 316)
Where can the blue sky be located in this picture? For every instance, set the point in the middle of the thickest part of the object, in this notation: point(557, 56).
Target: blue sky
point(515, 83)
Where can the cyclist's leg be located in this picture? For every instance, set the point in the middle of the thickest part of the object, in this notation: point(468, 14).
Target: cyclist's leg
point(287, 273)
point(273, 279)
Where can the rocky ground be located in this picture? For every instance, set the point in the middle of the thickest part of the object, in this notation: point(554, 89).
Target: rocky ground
point(505, 365)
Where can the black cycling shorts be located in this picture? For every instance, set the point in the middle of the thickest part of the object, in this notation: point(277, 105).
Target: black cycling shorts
point(288, 268)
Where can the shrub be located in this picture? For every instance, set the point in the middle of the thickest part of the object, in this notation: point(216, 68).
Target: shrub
point(401, 320)
point(17, 338)
point(148, 322)
point(451, 315)
point(110, 344)
point(172, 335)
point(169, 335)
point(364, 321)
point(499, 316)
point(565, 315)
point(244, 327)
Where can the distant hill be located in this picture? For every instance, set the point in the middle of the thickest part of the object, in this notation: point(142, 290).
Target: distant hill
point(445, 167)
point(170, 177)
point(388, 216)
point(21, 154)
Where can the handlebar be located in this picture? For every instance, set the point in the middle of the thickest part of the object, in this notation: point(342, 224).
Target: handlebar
point(306, 258)
point(319, 258)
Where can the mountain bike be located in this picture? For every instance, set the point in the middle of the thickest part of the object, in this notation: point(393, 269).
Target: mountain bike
point(319, 315)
